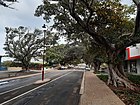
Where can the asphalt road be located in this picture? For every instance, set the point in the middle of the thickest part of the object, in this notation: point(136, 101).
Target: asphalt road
point(21, 82)
point(62, 90)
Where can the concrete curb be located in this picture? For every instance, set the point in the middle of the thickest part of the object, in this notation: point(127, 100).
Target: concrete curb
point(24, 76)
point(39, 82)
point(82, 85)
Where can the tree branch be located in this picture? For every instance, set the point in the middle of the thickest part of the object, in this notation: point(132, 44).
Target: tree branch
point(136, 2)
point(2, 2)
point(98, 38)
point(137, 21)
point(129, 42)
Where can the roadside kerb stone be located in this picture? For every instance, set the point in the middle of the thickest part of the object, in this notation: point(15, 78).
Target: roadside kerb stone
point(24, 76)
point(39, 82)
point(96, 92)
point(82, 85)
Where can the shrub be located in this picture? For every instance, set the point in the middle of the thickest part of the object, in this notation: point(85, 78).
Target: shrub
point(134, 78)
point(103, 77)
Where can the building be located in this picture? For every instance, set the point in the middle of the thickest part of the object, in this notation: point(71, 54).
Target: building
point(1, 67)
point(133, 59)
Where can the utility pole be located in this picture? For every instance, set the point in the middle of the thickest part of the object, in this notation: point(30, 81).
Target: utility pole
point(44, 30)
point(0, 61)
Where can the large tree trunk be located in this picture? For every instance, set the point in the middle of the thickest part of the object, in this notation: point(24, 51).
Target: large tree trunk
point(116, 70)
point(137, 21)
point(96, 66)
point(120, 68)
point(117, 76)
point(25, 66)
point(117, 79)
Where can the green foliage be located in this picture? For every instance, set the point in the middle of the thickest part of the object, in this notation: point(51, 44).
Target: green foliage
point(7, 63)
point(55, 54)
point(109, 18)
point(103, 77)
point(94, 54)
point(35, 66)
point(51, 38)
point(64, 54)
point(138, 102)
point(22, 44)
point(74, 55)
point(134, 78)
point(105, 26)
point(12, 64)
point(128, 96)
point(102, 22)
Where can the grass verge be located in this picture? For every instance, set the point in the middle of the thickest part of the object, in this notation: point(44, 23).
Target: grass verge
point(127, 96)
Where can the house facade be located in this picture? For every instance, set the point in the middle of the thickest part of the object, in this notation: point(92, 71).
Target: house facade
point(132, 63)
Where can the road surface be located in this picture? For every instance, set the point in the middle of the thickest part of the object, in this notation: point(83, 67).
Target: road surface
point(7, 85)
point(62, 90)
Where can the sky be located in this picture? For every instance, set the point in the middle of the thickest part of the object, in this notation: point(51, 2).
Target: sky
point(127, 1)
point(22, 15)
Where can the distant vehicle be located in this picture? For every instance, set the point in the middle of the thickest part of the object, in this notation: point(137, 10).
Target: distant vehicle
point(62, 68)
point(70, 66)
point(87, 68)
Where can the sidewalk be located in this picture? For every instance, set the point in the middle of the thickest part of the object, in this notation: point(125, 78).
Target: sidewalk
point(97, 92)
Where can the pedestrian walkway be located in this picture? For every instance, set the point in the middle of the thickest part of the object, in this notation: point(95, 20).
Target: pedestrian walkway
point(96, 92)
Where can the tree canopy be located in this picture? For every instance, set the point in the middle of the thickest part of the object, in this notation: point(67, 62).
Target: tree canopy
point(98, 17)
point(55, 54)
point(7, 3)
point(22, 44)
point(108, 24)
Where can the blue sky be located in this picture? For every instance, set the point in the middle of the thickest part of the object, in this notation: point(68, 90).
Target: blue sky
point(22, 16)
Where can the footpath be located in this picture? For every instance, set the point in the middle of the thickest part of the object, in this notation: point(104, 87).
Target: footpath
point(96, 92)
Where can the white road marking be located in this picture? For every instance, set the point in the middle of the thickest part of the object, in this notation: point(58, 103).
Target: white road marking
point(34, 89)
point(2, 83)
point(14, 89)
point(18, 87)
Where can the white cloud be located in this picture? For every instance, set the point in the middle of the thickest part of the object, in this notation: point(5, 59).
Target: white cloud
point(23, 15)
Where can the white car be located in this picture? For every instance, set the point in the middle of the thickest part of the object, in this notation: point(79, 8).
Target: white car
point(87, 68)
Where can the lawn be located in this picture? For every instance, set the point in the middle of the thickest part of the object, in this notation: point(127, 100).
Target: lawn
point(129, 97)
